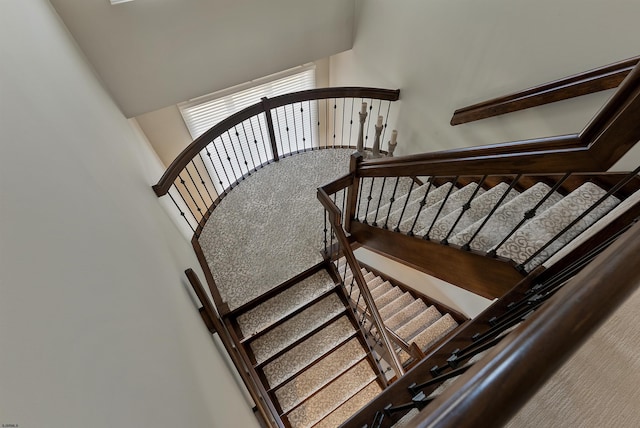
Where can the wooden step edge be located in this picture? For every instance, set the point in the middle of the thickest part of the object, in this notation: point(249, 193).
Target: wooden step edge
point(276, 290)
point(272, 389)
point(338, 376)
point(286, 317)
point(302, 339)
point(345, 401)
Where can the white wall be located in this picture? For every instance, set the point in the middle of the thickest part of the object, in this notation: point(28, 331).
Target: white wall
point(152, 54)
point(444, 55)
point(96, 326)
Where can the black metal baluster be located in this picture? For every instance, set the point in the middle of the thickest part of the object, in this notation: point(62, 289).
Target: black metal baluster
point(391, 201)
point(366, 136)
point(223, 168)
point(184, 184)
point(344, 202)
point(304, 139)
point(444, 201)
point(264, 144)
point(280, 132)
point(465, 208)
point(310, 123)
point(375, 218)
point(357, 216)
point(204, 202)
point(529, 214)
point(244, 157)
point(583, 215)
point(369, 198)
point(467, 246)
point(215, 170)
point(182, 213)
point(295, 127)
point(386, 121)
point(326, 123)
point(224, 146)
point(414, 389)
point(351, 122)
point(423, 202)
point(326, 247)
point(235, 154)
point(246, 138)
point(286, 121)
point(334, 122)
point(344, 100)
point(255, 142)
point(404, 207)
point(200, 175)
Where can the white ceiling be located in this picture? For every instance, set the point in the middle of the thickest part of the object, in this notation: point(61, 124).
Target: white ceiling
point(154, 53)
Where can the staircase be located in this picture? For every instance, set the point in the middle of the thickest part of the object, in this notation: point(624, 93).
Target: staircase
point(526, 226)
point(308, 352)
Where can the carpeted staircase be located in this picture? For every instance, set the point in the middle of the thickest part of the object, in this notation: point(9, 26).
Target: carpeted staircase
point(407, 316)
point(305, 347)
point(457, 215)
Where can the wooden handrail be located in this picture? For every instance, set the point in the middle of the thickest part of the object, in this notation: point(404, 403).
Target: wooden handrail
point(598, 79)
point(266, 104)
point(258, 394)
point(336, 224)
point(499, 384)
point(605, 139)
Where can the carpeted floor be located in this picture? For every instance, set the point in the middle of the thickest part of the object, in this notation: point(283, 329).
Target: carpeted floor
point(271, 230)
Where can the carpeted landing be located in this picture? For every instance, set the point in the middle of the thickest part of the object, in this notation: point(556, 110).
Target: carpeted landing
point(270, 227)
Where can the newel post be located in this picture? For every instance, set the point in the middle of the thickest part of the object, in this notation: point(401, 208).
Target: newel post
point(352, 192)
point(266, 106)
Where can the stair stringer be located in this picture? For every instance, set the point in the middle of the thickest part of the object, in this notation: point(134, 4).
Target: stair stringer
point(475, 272)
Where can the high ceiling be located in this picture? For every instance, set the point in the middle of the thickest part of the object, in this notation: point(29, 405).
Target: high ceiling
point(154, 53)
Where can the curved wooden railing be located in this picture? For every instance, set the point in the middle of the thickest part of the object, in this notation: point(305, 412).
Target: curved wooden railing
point(260, 134)
point(588, 82)
point(603, 141)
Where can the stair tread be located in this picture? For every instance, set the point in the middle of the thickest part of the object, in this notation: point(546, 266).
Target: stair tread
point(306, 383)
point(417, 193)
point(406, 314)
point(403, 187)
point(373, 285)
point(396, 306)
point(435, 332)
point(349, 408)
point(435, 195)
point(332, 396)
point(478, 208)
point(456, 200)
point(419, 323)
point(257, 319)
point(294, 360)
point(296, 327)
point(383, 288)
point(505, 218)
point(542, 228)
point(388, 297)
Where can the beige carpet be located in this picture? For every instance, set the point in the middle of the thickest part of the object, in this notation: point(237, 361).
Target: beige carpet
point(600, 385)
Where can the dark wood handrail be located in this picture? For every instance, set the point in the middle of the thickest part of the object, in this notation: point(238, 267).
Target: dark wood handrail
point(189, 153)
point(257, 392)
point(605, 139)
point(595, 80)
point(499, 384)
point(336, 224)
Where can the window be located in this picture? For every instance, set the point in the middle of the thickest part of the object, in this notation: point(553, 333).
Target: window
point(202, 113)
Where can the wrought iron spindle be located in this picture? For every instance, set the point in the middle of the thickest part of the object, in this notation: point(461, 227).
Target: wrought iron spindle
point(246, 138)
point(366, 137)
point(326, 247)
point(351, 122)
point(386, 121)
point(529, 214)
point(467, 246)
point(235, 153)
point(310, 123)
point(235, 177)
point(184, 184)
point(222, 187)
point(404, 207)
point(286, 122)
point(391, 201)
point(423, 202)
point(465, 208)
point(304, 139)
point(369, 198)
point(295, 128)
point(326, 123)
point(344, 100)
point(375, 218)
point(444, 202)
point(611, 191)
point(204, 202)
point(201, 178)
point(264, 144)
point(244, 157)
point(335, 106)
point(182, 213)
point(416, 388)
point(257, 146)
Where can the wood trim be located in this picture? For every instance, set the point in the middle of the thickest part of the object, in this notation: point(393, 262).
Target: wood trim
point(336, 92)
point(498, 385)
point(266, 409)
point(595, 80)
point(477, 273)
point(222, 306)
